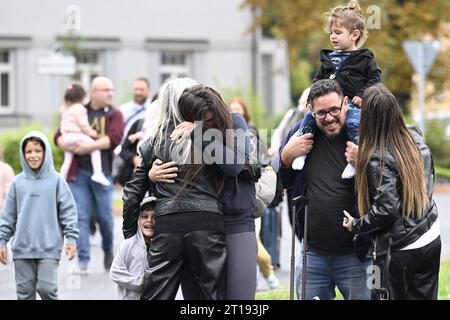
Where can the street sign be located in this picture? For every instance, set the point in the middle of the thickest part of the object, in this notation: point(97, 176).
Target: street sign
point(422, 54)
point(56, 64)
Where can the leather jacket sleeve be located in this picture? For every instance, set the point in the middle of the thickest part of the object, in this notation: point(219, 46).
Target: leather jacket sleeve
point(385, 196)
point(134, 191)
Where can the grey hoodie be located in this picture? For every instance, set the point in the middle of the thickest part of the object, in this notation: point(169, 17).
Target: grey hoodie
point(39, 210)
point(129, 267)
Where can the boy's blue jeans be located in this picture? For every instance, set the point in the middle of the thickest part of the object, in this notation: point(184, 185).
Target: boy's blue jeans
point(324, 273)
point(90, 195)
point(353, 116)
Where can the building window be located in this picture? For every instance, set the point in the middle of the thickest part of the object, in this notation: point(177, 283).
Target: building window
point(6, 81)
point(174, 64)
point(88, 67)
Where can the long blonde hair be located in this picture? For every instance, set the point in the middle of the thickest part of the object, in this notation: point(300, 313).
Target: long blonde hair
point(168, 113)
point(383, 129)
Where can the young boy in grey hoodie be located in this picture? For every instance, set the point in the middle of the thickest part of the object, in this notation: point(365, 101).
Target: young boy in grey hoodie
point(130, 264)
point(39, 211)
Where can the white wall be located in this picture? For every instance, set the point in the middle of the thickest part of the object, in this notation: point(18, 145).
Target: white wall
point(225, 60)
point(128, 19)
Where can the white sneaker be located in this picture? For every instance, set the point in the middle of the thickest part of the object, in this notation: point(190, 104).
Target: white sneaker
point(272, 282)
point(298, 163)
point(100, 178)
point(349, 172)
point(93, 240)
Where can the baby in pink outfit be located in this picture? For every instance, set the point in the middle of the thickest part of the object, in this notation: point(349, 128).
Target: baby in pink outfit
point(75, 127)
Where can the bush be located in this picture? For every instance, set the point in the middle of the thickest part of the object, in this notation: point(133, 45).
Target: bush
point(10, 140)
point(442, 174)
point(438, 143)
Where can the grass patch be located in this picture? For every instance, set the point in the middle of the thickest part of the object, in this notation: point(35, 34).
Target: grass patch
point(444, 280)
point(443, 294)
point(279, 294)
point(442, 172)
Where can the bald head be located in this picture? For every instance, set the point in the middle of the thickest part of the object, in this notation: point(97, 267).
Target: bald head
point(102, 92)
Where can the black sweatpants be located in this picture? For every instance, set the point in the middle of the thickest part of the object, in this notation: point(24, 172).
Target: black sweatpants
point(413, 274)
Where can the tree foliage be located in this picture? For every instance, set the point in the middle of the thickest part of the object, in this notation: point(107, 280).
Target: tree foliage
point(301, 24)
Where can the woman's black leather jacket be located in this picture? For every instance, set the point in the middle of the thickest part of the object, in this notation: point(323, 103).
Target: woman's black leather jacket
point(384, 220)
point(200, 195)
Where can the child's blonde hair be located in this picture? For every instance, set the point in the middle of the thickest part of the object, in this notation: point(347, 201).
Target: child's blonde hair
point(351, 18)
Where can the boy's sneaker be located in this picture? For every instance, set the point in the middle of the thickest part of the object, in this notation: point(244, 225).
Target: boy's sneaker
point(100, 178)
point(272, 282)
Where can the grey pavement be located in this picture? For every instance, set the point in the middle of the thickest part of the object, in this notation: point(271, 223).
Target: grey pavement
point(96, 285)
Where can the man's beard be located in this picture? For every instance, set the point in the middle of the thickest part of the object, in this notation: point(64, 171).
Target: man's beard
point(140, 100)
point(331, 135)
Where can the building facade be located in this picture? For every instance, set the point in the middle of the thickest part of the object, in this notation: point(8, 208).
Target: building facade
point(207, 40)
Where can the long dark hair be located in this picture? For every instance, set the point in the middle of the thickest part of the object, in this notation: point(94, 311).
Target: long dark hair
point(383, 129)
point(193, 104)
point(199, 99)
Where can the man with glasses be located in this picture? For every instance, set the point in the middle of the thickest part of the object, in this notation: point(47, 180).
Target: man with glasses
point(91, 196)
point(331, 255)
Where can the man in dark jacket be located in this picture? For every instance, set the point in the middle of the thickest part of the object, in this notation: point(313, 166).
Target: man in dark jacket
point(331, 258)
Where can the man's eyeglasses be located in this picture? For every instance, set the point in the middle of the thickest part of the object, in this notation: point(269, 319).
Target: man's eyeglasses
point(106, 90)
point(333, 111)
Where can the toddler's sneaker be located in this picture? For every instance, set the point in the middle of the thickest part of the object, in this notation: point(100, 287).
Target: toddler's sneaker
point(298, 163)
point(272, 282)
point(349, 172)
point(100, 178)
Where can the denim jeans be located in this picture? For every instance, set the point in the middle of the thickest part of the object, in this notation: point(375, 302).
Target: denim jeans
point(308, 124)
point(324, 273)
point(352, 122)
point(271, 234)
point(90, 195)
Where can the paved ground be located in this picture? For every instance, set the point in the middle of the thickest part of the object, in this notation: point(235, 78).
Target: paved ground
point(98, 286)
